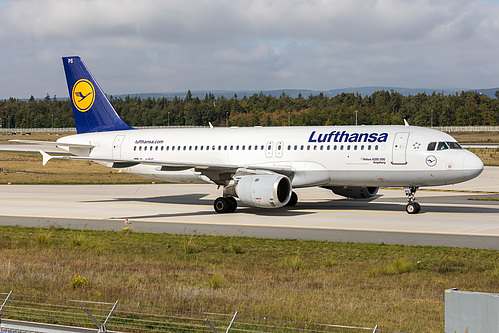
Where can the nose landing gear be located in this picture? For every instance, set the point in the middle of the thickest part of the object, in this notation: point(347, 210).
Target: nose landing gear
point(412, 207)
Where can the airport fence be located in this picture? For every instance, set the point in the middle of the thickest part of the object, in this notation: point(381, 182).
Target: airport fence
point(138, 318)
point(73, 129)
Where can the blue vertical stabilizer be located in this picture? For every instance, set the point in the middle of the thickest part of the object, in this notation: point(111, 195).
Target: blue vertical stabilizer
point(91, 108)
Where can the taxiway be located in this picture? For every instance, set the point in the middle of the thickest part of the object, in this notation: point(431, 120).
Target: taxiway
point(451, 215)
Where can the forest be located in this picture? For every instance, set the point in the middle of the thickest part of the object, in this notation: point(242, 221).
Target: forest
point(380, 108)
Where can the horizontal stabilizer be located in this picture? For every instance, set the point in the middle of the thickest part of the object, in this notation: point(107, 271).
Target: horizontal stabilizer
point(55, 144)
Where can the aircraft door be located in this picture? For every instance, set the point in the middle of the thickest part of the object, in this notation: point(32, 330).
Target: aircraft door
point(269, 147)
point(279, 149)
point(118, 140)
point(400, 148)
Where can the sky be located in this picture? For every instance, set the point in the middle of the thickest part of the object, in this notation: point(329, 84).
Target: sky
point(164, 46)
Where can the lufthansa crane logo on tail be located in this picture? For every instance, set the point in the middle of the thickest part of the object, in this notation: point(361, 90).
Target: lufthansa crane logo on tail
point(83, 95)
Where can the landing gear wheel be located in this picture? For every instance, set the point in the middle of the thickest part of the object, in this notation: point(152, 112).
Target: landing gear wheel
point(413, 208)
point(232, 204)
point(221, 205)
point(225, 205)
point(293, 200)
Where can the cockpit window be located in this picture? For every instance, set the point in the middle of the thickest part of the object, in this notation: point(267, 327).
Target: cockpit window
point(432, 145)
point(454, 145)
point(442, 146)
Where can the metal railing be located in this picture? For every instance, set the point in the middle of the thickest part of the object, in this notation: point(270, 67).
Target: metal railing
point(133, 318)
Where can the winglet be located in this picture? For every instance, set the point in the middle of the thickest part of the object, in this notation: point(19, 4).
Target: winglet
point(46, 157)
point(406, 123)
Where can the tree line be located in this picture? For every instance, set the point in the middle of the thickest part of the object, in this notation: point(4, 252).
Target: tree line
point(381, 108)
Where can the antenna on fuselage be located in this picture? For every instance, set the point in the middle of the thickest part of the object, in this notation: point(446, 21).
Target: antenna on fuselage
point(211, 126)
point(406, 123)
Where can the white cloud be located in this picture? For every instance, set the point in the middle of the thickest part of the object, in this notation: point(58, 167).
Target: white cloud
point(152, 45)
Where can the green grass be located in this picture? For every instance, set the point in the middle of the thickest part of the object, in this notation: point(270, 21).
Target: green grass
point(484, 199)
point(399, 288)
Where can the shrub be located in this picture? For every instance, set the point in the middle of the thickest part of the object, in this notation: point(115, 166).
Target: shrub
point(398, 266)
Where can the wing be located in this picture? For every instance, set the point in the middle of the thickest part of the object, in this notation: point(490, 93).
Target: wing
point(218, 173)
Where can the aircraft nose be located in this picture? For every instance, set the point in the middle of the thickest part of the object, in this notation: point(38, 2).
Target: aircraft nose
point(472, 166)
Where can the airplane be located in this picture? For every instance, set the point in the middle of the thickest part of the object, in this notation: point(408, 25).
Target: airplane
point(263, 165)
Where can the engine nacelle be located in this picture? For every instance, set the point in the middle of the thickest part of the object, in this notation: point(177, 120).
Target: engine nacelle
point(355, 192)
point(264, 191)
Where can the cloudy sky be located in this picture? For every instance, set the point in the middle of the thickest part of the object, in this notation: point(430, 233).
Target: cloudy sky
point(161, 46)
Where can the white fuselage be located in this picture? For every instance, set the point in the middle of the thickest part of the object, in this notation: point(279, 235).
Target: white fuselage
point(336, 156)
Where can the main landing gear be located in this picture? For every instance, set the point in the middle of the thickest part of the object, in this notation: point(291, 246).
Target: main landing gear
point(225, 205)
point(412, 207)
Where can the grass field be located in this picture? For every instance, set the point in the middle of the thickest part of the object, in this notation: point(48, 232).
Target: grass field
point(399, 288)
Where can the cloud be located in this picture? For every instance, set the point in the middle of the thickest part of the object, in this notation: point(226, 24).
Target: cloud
point(152, 45)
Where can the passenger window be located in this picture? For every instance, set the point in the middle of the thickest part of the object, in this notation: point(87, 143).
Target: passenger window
point(301, 148)
point(243, 147)
point(167, 148)
point(376, 147)
point(256, 147)
point(150, 148)
point(261, 147)
point(173, 147)
point(220, 147)
point(308, 147)
point(178, 148)
point(185, 147)
point(369, 147)
point(289, 147)
point(322, 147)
point(335, 147)
point(432, 145)
point(362, 147)
point(355, 147)
point(156, 147)
point(140, 148)
point(237, 147)
point(135, 148)
point(296, 147)
point(341, 147)
point(328, 147)
point(442, 146)
point(348, 147)
point(145, 148)
point(200, 147)
point(225, 147)
point(249, 147)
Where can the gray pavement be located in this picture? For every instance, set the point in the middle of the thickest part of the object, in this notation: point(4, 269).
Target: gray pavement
point(448, 215)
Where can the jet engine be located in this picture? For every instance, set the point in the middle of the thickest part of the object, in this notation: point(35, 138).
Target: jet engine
point(264, 191)
point(355, 192)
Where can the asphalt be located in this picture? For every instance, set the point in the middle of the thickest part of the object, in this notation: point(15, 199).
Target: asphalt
point(450, 216)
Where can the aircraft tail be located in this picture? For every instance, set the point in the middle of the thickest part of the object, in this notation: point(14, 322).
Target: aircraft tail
point(92, 110)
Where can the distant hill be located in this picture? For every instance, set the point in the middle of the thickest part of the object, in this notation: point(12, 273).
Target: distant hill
point(364, 91)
